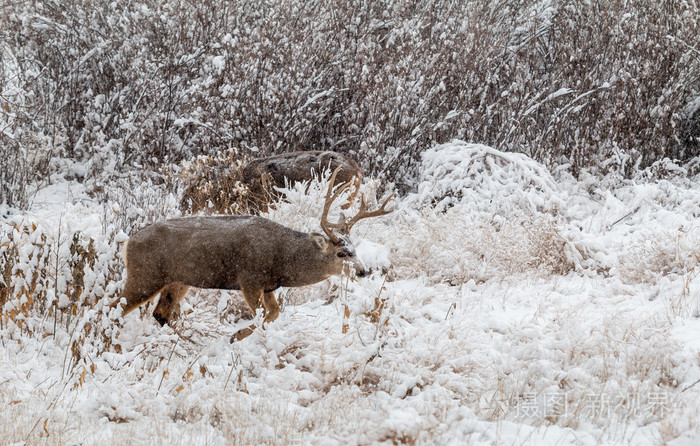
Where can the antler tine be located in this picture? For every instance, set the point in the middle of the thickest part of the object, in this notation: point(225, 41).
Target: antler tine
point(362, 213)
point(330, 198)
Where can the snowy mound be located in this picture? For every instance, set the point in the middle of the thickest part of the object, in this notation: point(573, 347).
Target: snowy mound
point(485, 179)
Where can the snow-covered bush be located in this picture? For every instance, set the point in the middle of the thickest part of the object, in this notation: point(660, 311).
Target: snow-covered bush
point(690, 125)
point(51, 278)
point(486, 329)
point(660, 254)
point(670, 245)
point(136, 199)
point(518, 309)
point(456, 247)
point(14, 174)
point(24, 152)
point(151, 81)
point(487, 180)
point(483, 214)
point(214, 184)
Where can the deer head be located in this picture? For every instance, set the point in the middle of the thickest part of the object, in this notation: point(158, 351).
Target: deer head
point(345, 250)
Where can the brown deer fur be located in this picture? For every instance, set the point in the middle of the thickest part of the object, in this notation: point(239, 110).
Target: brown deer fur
point(294, 167)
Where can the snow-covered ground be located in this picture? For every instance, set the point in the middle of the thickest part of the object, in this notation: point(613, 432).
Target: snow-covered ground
point(520, 307)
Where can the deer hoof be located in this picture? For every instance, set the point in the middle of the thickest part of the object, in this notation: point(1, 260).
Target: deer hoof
point(161, 320)
point(241, 334)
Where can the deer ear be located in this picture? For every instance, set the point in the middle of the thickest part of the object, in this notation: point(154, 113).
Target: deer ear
point(320, 240)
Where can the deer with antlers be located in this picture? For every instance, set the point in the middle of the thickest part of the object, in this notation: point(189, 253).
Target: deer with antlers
point(247, 253)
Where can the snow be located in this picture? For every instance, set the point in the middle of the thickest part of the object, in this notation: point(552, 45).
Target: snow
point(219, 63)
point(474, 174)
point(508, 304)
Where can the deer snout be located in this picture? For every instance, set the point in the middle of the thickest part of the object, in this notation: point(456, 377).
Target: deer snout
point(358, 267)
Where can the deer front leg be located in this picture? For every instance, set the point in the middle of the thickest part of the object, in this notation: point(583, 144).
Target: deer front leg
point(252, 297)
point(270, 306)
point(168, 308)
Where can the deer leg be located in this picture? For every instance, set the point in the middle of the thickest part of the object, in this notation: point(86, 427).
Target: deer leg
point(272, 307)
point(168, 308)
point(135, 295)
point(252, 297)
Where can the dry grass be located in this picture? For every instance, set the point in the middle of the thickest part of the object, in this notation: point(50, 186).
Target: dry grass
point(481, 251)
point(659, 254)
point(398, 362)
point(213, 184)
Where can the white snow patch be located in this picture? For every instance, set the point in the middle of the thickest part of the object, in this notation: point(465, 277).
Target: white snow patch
point(477, 339)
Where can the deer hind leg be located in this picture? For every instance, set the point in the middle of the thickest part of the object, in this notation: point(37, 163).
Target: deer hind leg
point(168, 308)
point(136, 294)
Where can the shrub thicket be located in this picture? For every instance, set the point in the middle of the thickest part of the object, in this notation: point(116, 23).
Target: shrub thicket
point(599, 83)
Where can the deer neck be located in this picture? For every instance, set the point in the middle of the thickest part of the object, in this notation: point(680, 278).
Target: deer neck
point(304, 266)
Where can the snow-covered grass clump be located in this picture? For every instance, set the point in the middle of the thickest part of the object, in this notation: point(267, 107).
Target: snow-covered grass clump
point(507, 305)
point(480, 214)
point(486, 180)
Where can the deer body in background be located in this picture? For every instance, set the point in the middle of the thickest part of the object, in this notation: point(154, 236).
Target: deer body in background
point(247, 253)
point(295, 167)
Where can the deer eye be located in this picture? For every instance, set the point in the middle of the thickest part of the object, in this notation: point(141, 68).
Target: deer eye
point(341, 254)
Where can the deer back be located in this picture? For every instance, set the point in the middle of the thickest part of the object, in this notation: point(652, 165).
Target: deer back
point(301, 166)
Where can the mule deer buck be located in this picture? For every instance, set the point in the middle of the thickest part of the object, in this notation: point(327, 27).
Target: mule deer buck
point(247, 253)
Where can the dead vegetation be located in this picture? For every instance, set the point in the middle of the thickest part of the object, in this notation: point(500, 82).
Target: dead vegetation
point(656, 255)
point(229, 183)
point(215, 185)
point(483, 251)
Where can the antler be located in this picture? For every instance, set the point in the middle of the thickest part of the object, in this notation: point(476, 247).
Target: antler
point(346, 224)
point(362, 213)
point(325, 224)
